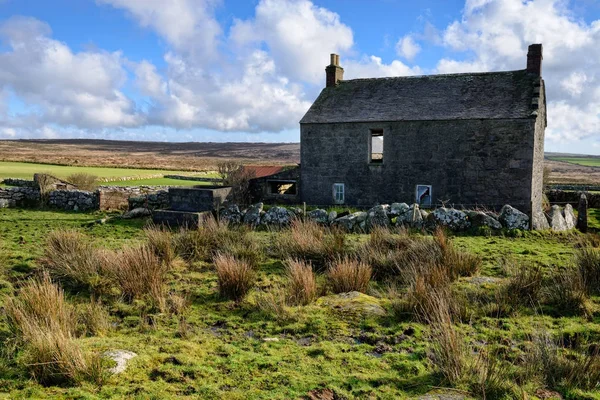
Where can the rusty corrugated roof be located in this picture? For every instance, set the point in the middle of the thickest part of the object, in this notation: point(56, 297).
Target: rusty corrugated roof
point(260, 171)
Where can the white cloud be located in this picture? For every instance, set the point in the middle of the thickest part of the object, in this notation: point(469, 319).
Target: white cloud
point(495, 34)
point(407, 47)
point(373, 67)
point(79, 89)
point(299, 35)
point(188, 25)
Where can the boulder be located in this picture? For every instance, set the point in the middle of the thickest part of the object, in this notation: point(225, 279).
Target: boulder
point(121, 357)
point(353, 303)
point(352, 222)
point(397, 209)
point(512, 218)
point(332, 216)
point(252, 216)
point(569, 216)
point(411, 216)
point(557, 221)
point(319, 216)
point(479, 218)
point(5, 203)
point(539, 221)
point(277, 216)
point(136, 213)
point(450, 218)
point(378, 216)
point(231, 215)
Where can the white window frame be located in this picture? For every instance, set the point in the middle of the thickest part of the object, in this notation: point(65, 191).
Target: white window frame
point(430, 195)
point(339, 193)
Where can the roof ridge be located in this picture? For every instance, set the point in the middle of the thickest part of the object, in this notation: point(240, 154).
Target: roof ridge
point(434, 75)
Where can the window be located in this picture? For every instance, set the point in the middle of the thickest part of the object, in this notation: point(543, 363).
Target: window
point(423, 195)
point(281, 187)
point(339, 193)
point(376, 146)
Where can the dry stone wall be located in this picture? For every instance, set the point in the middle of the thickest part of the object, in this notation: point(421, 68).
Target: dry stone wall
point(19, 197)
point(73, 200)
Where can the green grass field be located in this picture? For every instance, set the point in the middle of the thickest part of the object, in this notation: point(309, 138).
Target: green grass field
point(26, 171)
point(586, 161)
point(220, 349)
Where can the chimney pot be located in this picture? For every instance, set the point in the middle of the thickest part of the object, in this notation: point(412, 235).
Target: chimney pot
point(333, 72)
point(534, 59)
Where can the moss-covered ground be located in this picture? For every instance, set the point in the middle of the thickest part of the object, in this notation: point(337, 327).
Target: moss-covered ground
point(219, 351)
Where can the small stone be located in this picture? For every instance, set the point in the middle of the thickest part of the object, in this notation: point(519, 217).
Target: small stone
point(270, 339)
point(121, 357)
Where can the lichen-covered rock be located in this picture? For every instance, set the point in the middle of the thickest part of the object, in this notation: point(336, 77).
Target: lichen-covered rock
point(332, 216)
point(479, 218)
point(353, 303)
point(411, 216)
point(378, 217)
point(569, 216)
point(512, 218)
point(121, 357)
point(252, 216)
point(539, 221)
point(450, 218)
point(352, 222)
point(5, 203)
point(278, 217)
point(137, 213)
point(231, 215)
point(319, 216)
point(397, 209)
point(557, 221)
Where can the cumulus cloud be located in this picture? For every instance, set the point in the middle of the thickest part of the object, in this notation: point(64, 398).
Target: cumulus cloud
point(299, 35)
point(495, 34)
point(80, 89)
point(374, 67)
point(407, 47)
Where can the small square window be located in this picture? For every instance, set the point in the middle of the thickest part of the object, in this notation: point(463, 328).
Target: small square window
point(376, 146)
point(339, 193)
point(423, 195)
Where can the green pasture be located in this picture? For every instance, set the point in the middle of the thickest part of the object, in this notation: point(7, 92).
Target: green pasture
point(585, 161)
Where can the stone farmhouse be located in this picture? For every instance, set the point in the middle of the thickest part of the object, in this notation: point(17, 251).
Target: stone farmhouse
point(473, 139)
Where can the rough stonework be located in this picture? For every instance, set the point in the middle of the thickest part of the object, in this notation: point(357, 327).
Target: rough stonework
point(511, 218)
point(231, 215)
point(540, 222)
point(73, 200)
point(450, 218)
point(582, 208)
point(378, 217)
point(253, 214)
point(277, 217)
point(20, 196)
point(319, 216)
point(479, 218)
point(557, 221)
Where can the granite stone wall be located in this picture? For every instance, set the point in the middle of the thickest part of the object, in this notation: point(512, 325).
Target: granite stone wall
point(21, 196)
point(73, 200)
point(468, 162)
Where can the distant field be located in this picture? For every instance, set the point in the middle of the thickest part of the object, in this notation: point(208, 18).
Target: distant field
point(26, 171)
point(586, 161)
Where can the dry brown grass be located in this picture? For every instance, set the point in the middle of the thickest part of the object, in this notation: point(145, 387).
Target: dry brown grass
point(71, 258)
point(83, 181)
point(140, 274)
point(273, 303)
point(566, 292)
point(94, 320)
point(302, 285)
point(235, 277)
point(348, 274)
point(43, 323)
point(310, 242)
point(587, 260)
point(522, 288)
point(161, 241)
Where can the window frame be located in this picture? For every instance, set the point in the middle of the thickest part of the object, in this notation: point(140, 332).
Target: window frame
point(430, 195)
point(335, 192)
point(373, 133)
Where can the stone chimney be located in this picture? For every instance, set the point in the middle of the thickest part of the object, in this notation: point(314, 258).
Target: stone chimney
point(534, 59)
point(333, 71)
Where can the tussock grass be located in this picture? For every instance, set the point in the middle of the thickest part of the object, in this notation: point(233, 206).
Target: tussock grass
point(522, 288)
point(273, 303)
point(302, 285)
point(566, 292)
point(139, 274)
point(235, 277)
point(83, 181)
point(161, 241)
point(43, 324)
point(587, 260)
point(71, 259)
point(213, 238)
point(94, 320)
point(349, 274)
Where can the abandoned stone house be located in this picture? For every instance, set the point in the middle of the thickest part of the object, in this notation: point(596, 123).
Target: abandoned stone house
point(460, 139)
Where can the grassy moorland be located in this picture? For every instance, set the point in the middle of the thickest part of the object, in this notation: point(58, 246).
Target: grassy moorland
point(238, 314)
point(586, 161)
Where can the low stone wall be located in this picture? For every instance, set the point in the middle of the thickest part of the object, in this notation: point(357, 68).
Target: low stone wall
point(19, 182)
point(19, 197)
point(572, 197)
point(73, 200)
point(152, 201)
point(194, 178)
point(117, 197)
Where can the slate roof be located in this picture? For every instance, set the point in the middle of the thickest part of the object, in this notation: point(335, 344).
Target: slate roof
point(489, 95)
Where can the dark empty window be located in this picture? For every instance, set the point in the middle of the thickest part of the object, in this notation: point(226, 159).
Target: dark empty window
point(376, 146)
point(423, 195)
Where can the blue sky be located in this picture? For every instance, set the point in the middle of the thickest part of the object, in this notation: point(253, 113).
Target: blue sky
point(225, 70)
